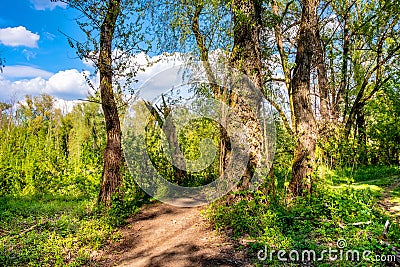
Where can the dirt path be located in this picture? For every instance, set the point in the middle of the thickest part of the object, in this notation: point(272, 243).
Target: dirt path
point(390, 203)
point(164, 235)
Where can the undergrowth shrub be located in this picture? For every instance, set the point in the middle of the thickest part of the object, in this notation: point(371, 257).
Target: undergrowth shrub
point(316, 222)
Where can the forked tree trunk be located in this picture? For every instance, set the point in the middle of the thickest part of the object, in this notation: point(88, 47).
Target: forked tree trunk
point(247, 58)
point(111, 181)
point(304, 156)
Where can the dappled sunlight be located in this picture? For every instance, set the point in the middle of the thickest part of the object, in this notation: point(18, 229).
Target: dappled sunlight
point(373, 188)
point(394, 199)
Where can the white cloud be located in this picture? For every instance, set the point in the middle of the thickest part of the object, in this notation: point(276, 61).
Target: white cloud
point(69, 84)
point(24, 72)
point(162, 67)
point(65, 106)
point(46, 4)
point(16, 90)
point(17, 81)
point(49, 36)
point(18, 36)
point(66, 85)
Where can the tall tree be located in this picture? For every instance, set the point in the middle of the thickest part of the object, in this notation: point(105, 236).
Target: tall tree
point(306, 131)
point(112, 29)
point(113, 152)
point(374, 50)
point(280, 18)
point(246, 57)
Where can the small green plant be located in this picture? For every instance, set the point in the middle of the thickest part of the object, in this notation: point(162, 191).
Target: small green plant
point(333, 213)
point(52, 231)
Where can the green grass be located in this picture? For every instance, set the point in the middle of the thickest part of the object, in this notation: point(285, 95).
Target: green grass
point(380, 175)
point(343, 207)
point(52, 231)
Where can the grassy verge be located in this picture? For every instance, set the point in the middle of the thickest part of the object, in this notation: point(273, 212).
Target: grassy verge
point(54, 230)
point(343, 215)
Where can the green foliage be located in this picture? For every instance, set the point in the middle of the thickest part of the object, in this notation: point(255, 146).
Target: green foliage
point(198, 141)
point(44, 151)
point(367, 174)
point(317, 222)
point(173, 25)
point(122, 209)
point(50, 171)
point(383, 128)
point(52, 231)
point(282, 165)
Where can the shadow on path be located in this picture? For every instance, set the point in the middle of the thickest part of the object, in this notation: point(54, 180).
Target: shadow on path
point(163, 235)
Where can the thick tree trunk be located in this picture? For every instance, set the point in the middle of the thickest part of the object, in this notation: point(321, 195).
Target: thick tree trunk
point(361, 137)
point(302, 168)
point(246, 57)
point(111, 181)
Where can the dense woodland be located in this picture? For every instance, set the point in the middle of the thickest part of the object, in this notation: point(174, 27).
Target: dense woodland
point(329, 69)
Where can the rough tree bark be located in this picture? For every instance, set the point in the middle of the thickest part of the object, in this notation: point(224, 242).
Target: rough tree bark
point(246, 57)
point(111, 181)
point(301, 182)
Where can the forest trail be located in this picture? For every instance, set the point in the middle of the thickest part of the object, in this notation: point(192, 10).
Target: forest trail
point(164, 235)
point(390, 200)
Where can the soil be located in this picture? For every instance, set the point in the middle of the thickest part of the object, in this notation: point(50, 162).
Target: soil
point(164, 235)
point(386, 203)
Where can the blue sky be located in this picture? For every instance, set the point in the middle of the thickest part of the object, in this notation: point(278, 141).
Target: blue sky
point(43, 18)
point(37, 55)
point(39, 59)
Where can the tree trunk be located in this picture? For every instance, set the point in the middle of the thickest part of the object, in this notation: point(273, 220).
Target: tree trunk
point(111, 181)
point(304, 156)
point(178, 160)
point(361, 137)
point(343, 84)
point(167, 124)
point(219, 93)
point(285, 66)
point(323, 85)
point(246, 57)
